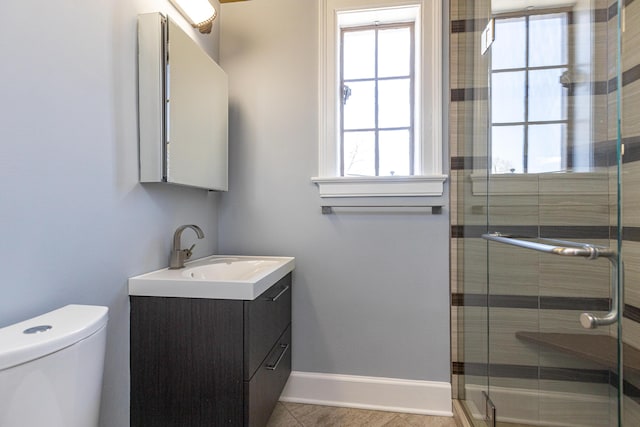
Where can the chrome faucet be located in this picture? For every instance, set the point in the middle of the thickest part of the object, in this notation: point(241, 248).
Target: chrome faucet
point(179, 256)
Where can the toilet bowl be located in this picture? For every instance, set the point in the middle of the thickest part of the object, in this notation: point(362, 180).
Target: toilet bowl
point(51, 368)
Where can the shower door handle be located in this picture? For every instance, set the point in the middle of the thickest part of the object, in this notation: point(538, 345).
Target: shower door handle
point(590, 320)
point(584, 250)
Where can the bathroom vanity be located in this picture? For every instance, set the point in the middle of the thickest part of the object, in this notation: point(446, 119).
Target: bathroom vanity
point(202, 361)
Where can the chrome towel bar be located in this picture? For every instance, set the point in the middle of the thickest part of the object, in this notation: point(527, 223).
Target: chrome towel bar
point(435, 210)
point(575, 249)
point(561, 247)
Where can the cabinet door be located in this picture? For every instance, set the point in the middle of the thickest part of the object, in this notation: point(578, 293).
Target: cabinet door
point(266, 318)
point(264, 389)
point(186, 367)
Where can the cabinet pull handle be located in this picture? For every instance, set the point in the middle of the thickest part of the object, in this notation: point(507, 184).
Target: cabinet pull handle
point(285, 289)
point(274, 366)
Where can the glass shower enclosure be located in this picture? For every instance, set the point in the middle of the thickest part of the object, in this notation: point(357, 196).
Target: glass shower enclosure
point(538, 88)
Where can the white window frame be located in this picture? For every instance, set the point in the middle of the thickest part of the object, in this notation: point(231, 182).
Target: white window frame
point(428, 179)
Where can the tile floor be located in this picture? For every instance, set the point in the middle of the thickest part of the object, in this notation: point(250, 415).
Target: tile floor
point(299, 415)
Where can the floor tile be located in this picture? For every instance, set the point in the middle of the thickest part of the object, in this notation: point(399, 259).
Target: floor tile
point(328, 416)
point(397, 422)
point(281, 417)
point(428, 421)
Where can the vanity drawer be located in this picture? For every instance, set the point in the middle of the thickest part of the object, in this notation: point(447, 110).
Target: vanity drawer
point(265, 319)
point(263, 391)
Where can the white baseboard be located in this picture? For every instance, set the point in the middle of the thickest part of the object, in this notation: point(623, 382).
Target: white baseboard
point(375, 393)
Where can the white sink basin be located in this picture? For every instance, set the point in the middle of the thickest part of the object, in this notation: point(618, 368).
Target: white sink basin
point(215, 277)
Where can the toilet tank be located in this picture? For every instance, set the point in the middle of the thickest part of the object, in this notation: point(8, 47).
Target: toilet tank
point(51, 368)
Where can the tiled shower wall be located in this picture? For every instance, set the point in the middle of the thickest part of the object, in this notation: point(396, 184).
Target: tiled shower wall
point(529, 291)
point(630, 129)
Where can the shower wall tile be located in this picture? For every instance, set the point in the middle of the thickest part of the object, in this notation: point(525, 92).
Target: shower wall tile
point(571, 277)
point(480, 8)
point(454, 271)
point(600, 68)
point(599, 109)
point(575, 210)
point(505, 280)
point(631, 107)
point(595, 390)
point(631, 185)
point(630, 332)
point(457, 10)
point(516, 400)
point(631, 412)
point(461, 130)
point(467, 9)
point(468, 118)
point(612, 40)
point(453, 195)
point(588, 132)
point(574, 410)
point(455, 389)
point(613, 197)
point(474, 400)
point(631, 253)
point(631, 194)
point(631, 36)
point(474, 266)
point(576, 188)
point(474, 326)
point(464, 46)
point(588, 39)
point(612, 116)
point(505, 347)
point(474, 210)
point(511, 209)
point(455, 313)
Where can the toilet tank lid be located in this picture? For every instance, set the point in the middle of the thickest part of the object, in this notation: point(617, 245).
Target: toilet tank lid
point(59, 329)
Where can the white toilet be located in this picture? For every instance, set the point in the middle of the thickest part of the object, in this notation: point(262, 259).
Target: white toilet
point(51, 368)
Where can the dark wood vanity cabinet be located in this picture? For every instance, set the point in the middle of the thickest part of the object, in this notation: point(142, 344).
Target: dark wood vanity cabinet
point(209, 362)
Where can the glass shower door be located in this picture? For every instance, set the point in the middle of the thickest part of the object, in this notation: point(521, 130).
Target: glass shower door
point(552, 209)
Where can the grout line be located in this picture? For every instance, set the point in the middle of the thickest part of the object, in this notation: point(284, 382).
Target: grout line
point(291, 413)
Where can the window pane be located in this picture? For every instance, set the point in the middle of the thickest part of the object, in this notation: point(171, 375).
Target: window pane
point(394, 153)
point(359, 154)
point(394, 52)
point(545, 148)
point(510, 47)
point(394, 103)
point(359, 51)
point(359, 111)
point(507, 97)
point(547, 40)
point(546, 95)
point(507, 149)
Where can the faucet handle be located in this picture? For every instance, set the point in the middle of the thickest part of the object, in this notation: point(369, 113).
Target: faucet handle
point(189, 252)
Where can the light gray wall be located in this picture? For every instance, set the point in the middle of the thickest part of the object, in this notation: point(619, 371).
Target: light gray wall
point(75, 222)
point(371, 292)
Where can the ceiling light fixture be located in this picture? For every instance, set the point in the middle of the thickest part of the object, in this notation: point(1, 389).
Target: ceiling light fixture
point(199, 13)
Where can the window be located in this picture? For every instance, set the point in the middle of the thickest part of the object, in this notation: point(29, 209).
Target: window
point(376, 126)
point(529, 115)
point(380, 98)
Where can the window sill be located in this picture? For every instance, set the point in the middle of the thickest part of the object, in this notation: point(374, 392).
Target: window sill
point(381, 186)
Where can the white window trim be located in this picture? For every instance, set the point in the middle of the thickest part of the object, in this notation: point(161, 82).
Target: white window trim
point(429, 180)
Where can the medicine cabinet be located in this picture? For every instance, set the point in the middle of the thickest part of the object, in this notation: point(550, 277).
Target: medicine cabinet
point(182, 108)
